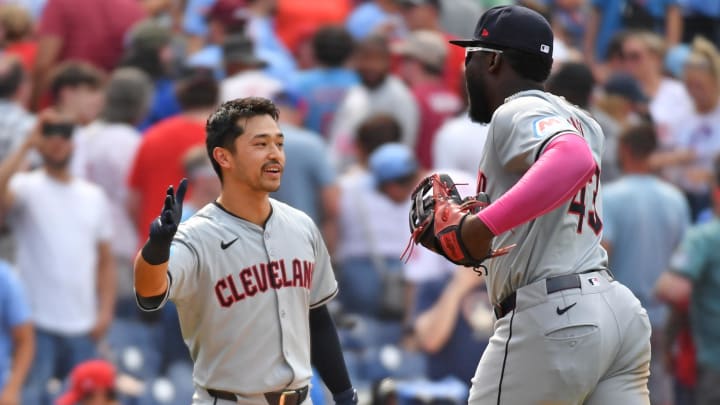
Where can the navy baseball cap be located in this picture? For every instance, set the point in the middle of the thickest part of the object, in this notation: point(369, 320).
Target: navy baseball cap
point(622, 84)
point(512, 27)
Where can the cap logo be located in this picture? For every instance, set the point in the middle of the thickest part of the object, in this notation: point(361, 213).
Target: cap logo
point(544, 48)
point(484, 32)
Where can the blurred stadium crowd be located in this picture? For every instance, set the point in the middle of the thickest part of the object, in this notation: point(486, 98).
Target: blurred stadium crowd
point(372, 98)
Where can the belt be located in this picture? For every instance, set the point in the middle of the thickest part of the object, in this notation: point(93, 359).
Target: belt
point(289, 397)
point(552, 285)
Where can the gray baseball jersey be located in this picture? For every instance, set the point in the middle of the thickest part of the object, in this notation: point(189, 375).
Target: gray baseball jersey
point(243, 294)
point(585, 345)
point(565, 240)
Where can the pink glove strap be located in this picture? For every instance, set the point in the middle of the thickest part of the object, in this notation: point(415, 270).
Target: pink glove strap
point(563, 168)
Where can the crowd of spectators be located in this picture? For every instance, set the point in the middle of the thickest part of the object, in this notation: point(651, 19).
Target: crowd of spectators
point(103, 104)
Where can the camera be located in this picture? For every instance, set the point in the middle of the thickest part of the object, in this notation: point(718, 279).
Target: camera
point(63, 129)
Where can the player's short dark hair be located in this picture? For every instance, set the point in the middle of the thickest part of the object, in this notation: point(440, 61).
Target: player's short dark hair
point(574, 81)
point(11, 76)
point(641, 140)
point(529, 66)
point(196, 89)
point(376, 131)
point(75, 74)
point(222, 127)
point(332, 45)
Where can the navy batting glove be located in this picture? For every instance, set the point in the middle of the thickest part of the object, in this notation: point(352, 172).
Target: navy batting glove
point(163, 228)
point(347, 397)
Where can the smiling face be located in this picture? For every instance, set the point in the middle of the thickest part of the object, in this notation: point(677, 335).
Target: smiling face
point(258, 159)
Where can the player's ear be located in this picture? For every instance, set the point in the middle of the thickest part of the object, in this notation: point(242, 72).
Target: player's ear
point(494, 62)
point(222, 156)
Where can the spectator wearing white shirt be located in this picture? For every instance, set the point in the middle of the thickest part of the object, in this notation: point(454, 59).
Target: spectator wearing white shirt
point(107, 147)
point(644, 55)
point(378, 92)
point(63, 229)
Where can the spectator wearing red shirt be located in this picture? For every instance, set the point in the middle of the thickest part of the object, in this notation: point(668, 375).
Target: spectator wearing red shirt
point(295, 17)
point(17, 27)
point(425, 15)
point(87, 30)
point(423, 56)
point(158, 162)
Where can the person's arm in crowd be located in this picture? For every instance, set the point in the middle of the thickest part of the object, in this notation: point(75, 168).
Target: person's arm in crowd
point(673, 25)
point(14, 163)
point(591, 31)
point(434, 327)
point(23, 344)
point(330, 200)
point(107, 289)
point(674, 288)
point(48, 50)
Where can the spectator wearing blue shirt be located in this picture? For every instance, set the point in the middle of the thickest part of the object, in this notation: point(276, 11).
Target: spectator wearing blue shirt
point(309, 180)
point(325, 86)
point(375, 16)
point(693, 277)
point(148, 51)
point(261, 28)
point(17, 339)
point(610, 16)
point(644, 220)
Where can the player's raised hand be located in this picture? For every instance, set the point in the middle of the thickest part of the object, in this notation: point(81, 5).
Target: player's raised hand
point(164, 227)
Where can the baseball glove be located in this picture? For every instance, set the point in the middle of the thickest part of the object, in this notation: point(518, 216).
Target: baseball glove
point(436, 216)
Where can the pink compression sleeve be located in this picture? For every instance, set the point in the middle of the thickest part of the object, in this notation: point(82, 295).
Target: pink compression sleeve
point(563, 168)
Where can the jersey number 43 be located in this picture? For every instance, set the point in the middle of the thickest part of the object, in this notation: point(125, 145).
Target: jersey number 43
point(579, 206)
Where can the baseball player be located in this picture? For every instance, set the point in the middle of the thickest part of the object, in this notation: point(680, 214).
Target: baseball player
point(250, 276)
point(566, 332)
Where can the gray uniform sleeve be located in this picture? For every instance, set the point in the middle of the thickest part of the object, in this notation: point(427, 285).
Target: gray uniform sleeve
point(522, 129)
point(324, 286)
point(182, 282)
point(183, 268)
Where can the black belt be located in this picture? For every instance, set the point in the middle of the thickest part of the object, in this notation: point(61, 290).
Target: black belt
point(290, 397)
point(552, 285)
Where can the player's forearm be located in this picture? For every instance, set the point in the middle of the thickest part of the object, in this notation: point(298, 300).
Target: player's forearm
point(326, 353)
point(150, 279)
point(23, 351)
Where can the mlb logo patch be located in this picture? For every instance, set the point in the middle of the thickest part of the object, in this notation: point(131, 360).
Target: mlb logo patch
point(594, 281)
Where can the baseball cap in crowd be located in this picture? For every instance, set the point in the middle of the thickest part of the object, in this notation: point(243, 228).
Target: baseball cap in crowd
point(427, 47)
point(675, 59)
point(232, 14)
point(149, 34)
point(86, 378)
point(392, 161)
point(239, 48)
point(624, 85)
point(512, 27)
